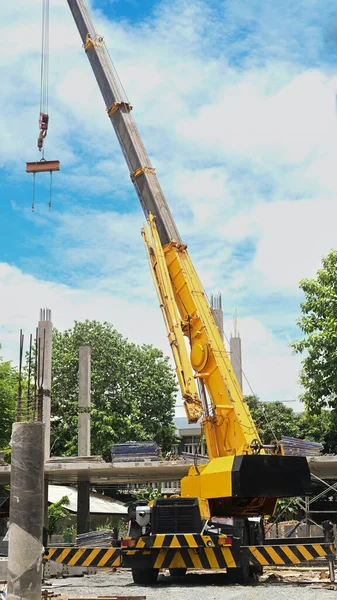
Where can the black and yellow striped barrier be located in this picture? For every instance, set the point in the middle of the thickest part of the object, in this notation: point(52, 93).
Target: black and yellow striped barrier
point(189, 558)
point(179, 540)
point(190, 552)
point(85, 557)
point(291, 554)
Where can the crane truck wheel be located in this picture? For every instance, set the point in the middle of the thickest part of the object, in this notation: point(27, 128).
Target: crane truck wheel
point(239, 575)
point(145, 576)
point(178, 572)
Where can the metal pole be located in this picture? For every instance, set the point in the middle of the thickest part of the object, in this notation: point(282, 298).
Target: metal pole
point(307, 521)
point(328, 539)
point(26, 512)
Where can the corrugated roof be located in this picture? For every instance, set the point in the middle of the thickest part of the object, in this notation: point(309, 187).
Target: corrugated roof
point(181, 423)
point(99, 504)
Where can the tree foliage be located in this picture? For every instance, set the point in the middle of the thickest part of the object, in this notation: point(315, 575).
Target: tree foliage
point(319, 344)
point(58, 514)
point(133, 390)
point(274, 419)
point(8, 394)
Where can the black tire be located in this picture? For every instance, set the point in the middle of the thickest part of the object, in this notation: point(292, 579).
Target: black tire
point(255, 572)
point(239, 575)
point(178, 572)
point(145, 576)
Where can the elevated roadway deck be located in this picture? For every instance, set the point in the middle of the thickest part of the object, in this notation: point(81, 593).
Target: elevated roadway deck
point(61, 471)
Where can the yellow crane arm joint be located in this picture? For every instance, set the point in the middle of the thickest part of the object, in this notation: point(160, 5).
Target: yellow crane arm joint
point(140, 171)
point(89, 42)
point(117, 105)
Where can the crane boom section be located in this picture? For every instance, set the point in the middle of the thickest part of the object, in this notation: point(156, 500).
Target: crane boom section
point(228, 425)
point(119, 110)
point(192, 402)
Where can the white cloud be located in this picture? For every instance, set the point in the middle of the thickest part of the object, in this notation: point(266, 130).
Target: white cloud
point(265, 361)
point(22, 295)
point(239, 117)
point(291, 238)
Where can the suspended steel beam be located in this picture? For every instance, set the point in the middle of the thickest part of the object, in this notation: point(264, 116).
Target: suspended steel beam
point(42, 166)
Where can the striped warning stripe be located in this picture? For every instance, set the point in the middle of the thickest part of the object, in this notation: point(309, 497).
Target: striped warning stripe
point(85, 557)
point(287, 554)
point(179, 540)
point(189, 558)
point(159, 556)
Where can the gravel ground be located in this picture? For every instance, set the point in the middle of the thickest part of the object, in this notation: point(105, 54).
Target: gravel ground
point(199, 586)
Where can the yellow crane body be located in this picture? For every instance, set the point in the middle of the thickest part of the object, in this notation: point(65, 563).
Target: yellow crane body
point(219, 514)
point(240, 478)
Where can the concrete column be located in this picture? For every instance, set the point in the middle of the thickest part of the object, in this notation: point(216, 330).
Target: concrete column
point(45, 345)
point(218, 318)
point(26, 512)
point(216, 307)
point(84, 390)
point(83, 506)
point(236, 357)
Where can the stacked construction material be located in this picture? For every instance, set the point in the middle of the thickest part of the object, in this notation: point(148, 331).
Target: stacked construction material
point(76, 459)
point(296, 447)
point(102, 538)
point(135, 452)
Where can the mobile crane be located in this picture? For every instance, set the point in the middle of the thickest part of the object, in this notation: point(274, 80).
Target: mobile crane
point(217, 521)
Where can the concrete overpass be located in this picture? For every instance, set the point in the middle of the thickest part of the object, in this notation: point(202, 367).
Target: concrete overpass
point(70, 470)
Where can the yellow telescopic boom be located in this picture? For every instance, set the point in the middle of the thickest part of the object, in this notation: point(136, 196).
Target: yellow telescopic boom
point(228, 425)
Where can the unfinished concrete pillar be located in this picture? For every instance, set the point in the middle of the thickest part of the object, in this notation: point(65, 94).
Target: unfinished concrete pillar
point(84, 391)
point(83, 447)
point(44, 369)
point(83, 507)
point(216, 306)
point(236, 352)
point(25, 548)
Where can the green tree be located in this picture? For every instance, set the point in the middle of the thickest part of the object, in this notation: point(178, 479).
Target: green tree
point(58, 515)
point(8, 394)
point(319, 344)
point(273, 419)
point(133, 390)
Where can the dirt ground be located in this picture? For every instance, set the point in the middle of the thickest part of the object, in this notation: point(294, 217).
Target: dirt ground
point(275, 584)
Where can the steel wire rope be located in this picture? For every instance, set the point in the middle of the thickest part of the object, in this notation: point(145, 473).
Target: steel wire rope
point(114, 70)
point(268, 423)
point(233, 380)
point(96, 37)
point(90, 25)
point(44, 78)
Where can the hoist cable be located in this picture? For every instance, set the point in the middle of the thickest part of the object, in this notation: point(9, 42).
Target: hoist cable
point(33, 200)
point(50, 190)
point(44, 58)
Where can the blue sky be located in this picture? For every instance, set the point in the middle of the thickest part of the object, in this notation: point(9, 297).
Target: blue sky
point(236, 105)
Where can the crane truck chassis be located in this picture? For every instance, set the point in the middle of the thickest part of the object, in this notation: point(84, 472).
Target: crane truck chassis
point(147, 555)
point(217, 522)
